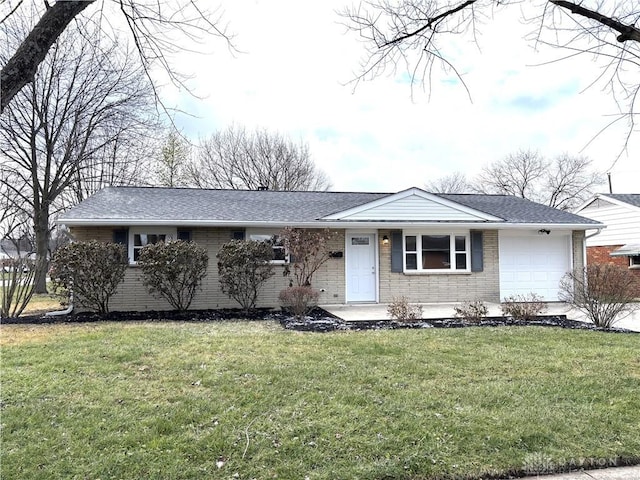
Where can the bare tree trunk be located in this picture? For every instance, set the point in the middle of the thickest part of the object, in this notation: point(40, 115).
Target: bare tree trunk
point(41, 227)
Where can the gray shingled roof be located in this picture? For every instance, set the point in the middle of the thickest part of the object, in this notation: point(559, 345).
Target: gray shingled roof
point(171, 204)
point(630, 198)
point(119, 203)
point(516, 209)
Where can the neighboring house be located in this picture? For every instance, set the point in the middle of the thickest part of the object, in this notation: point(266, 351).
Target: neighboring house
point(11, 249)
point(619, 242)
point(428, 247)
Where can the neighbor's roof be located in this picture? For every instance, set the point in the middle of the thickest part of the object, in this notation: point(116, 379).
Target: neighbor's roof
point(182, 206)
point(630, 198)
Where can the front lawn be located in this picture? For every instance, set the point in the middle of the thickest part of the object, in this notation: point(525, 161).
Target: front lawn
point(211, 400)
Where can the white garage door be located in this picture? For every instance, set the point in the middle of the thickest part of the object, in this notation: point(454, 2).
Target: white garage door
point(533, 264)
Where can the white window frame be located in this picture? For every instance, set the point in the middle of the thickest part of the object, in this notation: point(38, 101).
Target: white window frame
point(634, 261)
point(171, 233)
point(259, 234)
point(452, 251)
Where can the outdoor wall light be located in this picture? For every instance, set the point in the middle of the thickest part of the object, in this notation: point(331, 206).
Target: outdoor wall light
point(385, 240)
point(542, 231)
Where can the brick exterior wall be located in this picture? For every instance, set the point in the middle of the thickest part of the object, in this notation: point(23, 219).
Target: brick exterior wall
point(132, 295)
point(601, 254)
point(434, 288)
point(577, 240)
point(330, 279)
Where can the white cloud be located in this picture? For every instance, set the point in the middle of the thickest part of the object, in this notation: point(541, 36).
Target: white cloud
point(298, 57)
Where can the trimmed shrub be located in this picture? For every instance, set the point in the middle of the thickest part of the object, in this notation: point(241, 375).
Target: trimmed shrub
point(523, 307)
point(243, 268)
point(401, 309)
point(90, 270)
point(473, 311)
point(604, 292)
point(174, 271)
point(299, 300)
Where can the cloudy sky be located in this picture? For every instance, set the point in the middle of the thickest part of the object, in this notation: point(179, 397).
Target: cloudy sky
point(292, 75)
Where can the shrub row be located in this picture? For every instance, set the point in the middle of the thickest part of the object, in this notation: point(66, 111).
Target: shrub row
point(91, 271)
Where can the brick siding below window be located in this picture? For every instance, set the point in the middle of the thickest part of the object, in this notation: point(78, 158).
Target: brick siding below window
point(442, 287)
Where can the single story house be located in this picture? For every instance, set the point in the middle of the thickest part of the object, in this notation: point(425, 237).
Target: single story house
point(427, 247)
point(619, 243)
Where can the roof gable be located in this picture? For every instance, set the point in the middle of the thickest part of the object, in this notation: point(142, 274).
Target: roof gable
point(630, 201)
point(413, 204)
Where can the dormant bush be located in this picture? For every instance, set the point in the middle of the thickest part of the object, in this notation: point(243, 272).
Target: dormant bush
point(91, 271)
point(523, 307)
point(174, 271)
point(472, 311)
point(243, 268)
point(299, 300)
point(401, 309)
point(604, 292)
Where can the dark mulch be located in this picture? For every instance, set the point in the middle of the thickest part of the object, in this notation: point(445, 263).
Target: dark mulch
point(319, 320)
point(151, 315)
point(325, 324)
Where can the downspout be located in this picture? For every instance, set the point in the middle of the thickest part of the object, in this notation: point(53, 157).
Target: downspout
point(597, 232)
point(66, 311)
point(584, 244)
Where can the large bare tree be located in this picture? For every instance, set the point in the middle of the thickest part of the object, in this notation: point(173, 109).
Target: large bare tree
point(238, 159)
point(87, 95)
point(453, 183)
point(562, 182)
point(156, 27)
point(414, 34)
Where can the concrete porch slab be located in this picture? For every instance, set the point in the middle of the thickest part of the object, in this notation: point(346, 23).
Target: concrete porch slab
point(378, 311)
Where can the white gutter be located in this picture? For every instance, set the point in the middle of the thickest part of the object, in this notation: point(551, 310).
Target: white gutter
point(321, 224)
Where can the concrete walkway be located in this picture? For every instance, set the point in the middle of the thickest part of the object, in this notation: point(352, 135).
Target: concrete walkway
point(378, 311)
point(615, 473)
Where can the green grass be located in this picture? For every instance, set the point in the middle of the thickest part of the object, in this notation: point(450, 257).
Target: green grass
point(170, 400)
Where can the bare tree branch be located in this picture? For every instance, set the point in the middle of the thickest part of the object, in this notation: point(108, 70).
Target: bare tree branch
point(152, 25)
point(627, 32)
point(21, 67)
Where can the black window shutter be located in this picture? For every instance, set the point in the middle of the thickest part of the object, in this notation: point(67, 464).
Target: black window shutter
point(396, 251)
point(184, 235)
point(121, 236)
point(238, 235)
point(477, 262)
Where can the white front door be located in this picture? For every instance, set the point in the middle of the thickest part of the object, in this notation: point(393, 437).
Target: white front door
point(361, 268)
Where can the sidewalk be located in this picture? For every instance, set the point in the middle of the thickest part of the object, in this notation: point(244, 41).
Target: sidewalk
point(614, 473)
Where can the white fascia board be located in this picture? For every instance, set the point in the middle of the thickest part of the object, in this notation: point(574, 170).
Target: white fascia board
point(407, 193)
point(325, 224)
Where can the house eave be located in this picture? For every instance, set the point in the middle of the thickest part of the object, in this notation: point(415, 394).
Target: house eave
point(337, 224)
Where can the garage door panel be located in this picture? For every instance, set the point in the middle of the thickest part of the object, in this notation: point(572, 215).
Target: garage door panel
point(533, 264)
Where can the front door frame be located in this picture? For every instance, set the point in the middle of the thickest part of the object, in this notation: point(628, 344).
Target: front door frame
point(376, 260)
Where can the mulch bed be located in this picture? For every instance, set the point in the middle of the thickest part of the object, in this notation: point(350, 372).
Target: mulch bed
point(318, 320)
